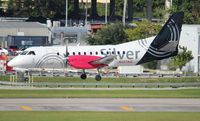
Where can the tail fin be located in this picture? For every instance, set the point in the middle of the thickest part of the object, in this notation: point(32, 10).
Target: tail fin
point(166, 42)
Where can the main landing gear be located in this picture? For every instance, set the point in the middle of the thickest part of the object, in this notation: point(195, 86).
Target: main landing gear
point(97, 77)
point(83, 75)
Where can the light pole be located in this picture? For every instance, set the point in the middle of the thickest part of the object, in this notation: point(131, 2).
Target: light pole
point(124, 13)
point(106, 13)
point(86, 12)
point(66, 13)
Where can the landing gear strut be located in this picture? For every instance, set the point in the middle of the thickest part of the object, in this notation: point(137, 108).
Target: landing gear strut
point(83, 75)
point(98, 76)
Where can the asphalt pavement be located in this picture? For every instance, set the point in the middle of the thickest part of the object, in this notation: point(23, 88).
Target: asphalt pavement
point(101, 104)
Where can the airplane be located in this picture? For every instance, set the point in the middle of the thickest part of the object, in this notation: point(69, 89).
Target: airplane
point(164, 45)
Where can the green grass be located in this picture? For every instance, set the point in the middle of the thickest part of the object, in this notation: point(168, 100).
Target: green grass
point(111, 80)
point(180, 93)
point(99, 116)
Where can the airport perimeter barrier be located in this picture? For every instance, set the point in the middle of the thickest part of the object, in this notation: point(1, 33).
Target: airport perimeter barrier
point(102, 85)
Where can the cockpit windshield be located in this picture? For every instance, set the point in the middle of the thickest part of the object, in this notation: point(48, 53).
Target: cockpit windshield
point(24, 53)
point(28, 53)
point(31, 53)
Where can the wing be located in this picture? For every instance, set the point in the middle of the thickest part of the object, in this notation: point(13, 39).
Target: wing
point(105, 60)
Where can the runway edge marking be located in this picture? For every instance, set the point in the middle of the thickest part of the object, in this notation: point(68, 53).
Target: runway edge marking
point(127, 108)
point(26, 108)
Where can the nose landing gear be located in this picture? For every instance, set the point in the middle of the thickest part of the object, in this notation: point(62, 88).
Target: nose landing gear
point(97, 77)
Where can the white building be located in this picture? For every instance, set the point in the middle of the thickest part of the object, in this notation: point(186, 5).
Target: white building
point(190, 38)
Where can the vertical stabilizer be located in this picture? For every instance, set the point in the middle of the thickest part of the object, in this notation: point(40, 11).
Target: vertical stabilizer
point(166, 42)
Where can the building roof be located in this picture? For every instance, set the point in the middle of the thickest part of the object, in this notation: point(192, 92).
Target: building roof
point(70, 29)
point(21, 25)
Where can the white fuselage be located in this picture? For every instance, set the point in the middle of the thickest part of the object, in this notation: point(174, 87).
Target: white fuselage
point(126, 54)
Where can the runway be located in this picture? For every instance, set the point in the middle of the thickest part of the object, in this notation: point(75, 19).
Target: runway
point(101, 104)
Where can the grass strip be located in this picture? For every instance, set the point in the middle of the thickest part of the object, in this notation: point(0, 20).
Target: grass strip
point(99, 116)
point(113, 80)
point(22, 93)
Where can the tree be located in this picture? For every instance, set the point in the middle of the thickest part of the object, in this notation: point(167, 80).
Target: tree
point(143, 30)
point(191, 9)
point(159, 12)
point(151, 65)
point(110, 34)
point(182, 58)
point(1, 10)
point(112, 8)
point(37, 8)
point(94, 8)
point(130, 10)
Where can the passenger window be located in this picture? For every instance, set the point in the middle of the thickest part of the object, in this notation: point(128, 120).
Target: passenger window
point(84, 53)
point(31, 53)
point(73, 53)
point(96, 53)
point(79, 53)
point(90, 53)
point(118, 52)
point(124, 52)
point(24, 53)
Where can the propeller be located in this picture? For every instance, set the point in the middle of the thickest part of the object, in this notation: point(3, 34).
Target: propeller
point(66, 54)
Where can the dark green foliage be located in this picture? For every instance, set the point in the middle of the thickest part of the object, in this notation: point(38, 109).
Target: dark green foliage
point(143, 30)
point(182, 58)
point(56, 9)
point(36, 8)
point(151, 65)
point(110, 34)
point(191, 9)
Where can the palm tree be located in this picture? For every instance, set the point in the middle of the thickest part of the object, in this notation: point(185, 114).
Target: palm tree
point(94, 9)
point(112, 8)
point(149, 9)
point(130, 10)
point(76, 7)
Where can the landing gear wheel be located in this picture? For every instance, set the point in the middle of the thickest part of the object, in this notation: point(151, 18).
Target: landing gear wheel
point(83, 76)
point(98, 77)
point(26, 79)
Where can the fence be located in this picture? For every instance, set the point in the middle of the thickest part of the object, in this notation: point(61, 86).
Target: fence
point(103, 85)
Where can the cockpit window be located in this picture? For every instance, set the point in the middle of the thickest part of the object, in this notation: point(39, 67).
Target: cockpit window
point(31, 53)
point(24, 53)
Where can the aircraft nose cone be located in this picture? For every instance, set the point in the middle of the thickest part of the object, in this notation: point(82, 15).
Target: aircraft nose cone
point(11, 63)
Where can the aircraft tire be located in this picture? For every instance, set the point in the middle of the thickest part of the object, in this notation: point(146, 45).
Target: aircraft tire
point(98, 77)
point(83, 76)
point(26, 79)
